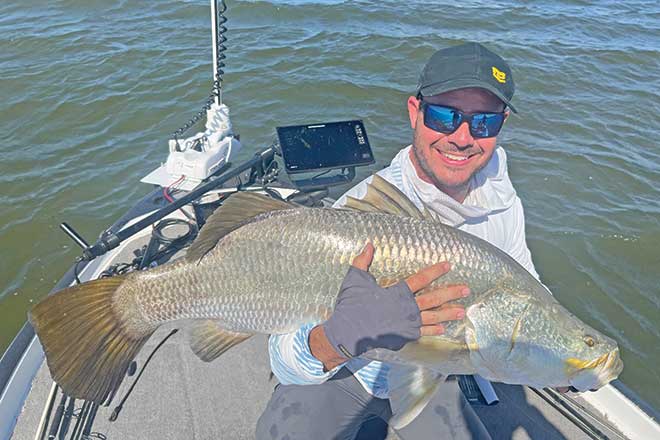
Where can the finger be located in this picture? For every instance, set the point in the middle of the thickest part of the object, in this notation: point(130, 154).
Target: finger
point(562, 390)
point(440, 296)
point(426, 276)
point(449, 314)
point(431, 330)
point(363, 261)
point(444, 306)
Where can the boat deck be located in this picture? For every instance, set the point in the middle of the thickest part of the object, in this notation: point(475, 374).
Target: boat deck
point(181, 397)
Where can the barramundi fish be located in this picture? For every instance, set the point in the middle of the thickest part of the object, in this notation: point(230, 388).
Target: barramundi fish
point(262, 265)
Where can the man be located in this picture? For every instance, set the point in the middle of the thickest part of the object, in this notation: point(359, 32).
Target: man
point(455, 169)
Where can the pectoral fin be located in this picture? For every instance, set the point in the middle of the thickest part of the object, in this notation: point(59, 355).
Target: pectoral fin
point(411, 389)
point(208, 340)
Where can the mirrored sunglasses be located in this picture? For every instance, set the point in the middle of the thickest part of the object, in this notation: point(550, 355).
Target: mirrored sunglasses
point(446, 120)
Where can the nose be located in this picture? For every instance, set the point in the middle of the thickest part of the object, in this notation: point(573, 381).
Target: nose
point(461, 138)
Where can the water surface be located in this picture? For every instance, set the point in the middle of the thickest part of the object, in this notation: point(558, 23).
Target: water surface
point(91, 91)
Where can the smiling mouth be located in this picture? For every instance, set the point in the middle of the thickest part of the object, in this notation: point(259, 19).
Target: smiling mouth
point(456, 158)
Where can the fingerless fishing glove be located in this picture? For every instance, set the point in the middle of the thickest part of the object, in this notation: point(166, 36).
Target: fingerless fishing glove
point(368, 316)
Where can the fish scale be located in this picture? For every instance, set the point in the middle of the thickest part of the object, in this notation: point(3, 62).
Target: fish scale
point(285, 269)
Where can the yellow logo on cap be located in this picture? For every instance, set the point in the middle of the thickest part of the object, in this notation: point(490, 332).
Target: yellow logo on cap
point(499, 75)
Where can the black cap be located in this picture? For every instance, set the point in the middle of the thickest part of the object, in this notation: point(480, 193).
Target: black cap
point(467, 65)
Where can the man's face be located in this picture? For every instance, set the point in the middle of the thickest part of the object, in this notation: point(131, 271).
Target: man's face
point(449, 160)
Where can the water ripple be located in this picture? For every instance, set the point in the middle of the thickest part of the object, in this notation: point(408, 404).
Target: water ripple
point(92, 90)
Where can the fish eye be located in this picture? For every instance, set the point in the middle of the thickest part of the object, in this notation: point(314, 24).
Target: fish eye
point(589, 340)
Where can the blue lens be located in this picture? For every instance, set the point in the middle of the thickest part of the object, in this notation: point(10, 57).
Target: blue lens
point(447, 120)
point(442, 119)
point(485, 125)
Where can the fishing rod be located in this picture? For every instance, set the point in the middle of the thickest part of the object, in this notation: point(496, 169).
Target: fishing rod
point(57, 418)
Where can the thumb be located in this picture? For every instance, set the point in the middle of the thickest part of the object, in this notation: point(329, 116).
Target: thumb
point(363, 261)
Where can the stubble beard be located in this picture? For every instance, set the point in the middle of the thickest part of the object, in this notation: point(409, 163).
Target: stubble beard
point(445, 186)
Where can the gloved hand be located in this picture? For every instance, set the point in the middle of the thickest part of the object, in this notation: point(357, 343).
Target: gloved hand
point(368, 316)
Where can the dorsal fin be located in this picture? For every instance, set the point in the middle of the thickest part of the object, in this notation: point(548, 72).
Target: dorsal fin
point(359, 205)
point(396, 195)
point(233, 213)
point(382, 196)
point(376, 197)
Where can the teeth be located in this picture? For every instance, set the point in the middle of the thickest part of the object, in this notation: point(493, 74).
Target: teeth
point(453, 157)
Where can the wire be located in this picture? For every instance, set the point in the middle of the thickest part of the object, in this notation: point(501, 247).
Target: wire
point(173, 185)
point(119, 407)
point(158, 230)
point(321, 174)
point(75, 270)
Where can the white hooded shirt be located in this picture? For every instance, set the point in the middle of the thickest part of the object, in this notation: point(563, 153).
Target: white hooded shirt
point(491, 210)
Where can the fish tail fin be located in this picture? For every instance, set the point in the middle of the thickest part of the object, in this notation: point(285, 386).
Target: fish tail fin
point(88, 346)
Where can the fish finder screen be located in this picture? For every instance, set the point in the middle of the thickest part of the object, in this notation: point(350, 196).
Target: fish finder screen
point(324, 146)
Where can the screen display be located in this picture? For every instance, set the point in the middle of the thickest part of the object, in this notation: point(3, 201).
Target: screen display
point(324, 146)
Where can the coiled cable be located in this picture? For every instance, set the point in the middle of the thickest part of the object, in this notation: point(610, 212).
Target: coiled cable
point(216, 91)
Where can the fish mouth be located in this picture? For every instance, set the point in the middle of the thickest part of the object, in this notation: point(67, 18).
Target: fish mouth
point(591, 375)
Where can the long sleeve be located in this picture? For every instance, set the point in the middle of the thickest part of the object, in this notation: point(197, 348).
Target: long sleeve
point(291, 359)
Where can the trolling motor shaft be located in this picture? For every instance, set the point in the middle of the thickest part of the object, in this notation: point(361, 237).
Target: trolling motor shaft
point(260, 163)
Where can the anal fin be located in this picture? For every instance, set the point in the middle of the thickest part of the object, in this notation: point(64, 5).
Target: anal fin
point(438, 353)
point(411, 389)
point(208, 340)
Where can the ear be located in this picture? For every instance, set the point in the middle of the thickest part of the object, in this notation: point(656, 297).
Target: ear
point(506, 115)
point(413, 110)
